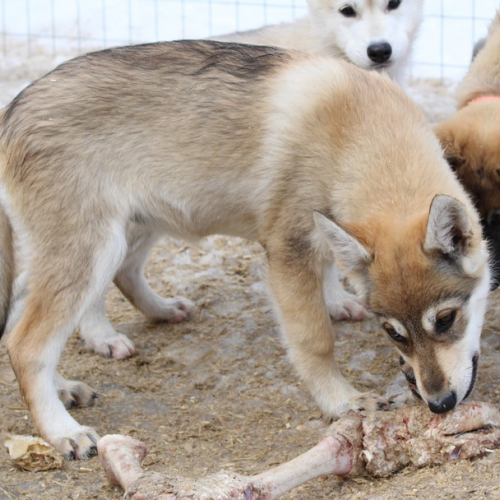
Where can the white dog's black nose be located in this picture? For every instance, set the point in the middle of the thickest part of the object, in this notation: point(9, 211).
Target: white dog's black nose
point(446, 404)
point(379, 52)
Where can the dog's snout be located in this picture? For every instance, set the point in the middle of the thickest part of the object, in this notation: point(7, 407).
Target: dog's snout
point(445, 404)
point(379, 52)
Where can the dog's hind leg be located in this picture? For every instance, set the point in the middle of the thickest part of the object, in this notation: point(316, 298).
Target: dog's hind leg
point(96, 331)
point(99, 336)
point(59, 289)
point(70, 393)
point(34, 347)
point(341, 304)
point(132, 283)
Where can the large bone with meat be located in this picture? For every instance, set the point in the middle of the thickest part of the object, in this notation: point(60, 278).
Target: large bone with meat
point(378, 444)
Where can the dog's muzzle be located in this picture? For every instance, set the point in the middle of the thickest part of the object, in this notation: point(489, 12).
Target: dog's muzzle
point(449, 401)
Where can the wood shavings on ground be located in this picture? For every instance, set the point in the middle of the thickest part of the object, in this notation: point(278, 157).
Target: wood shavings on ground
point(33, 454)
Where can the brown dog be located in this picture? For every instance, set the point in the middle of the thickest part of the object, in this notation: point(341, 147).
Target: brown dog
point(321, 162)
point(471, 138)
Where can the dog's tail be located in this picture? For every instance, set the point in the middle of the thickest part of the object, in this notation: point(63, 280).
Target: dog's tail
point(6, 254)
point(6, 258)
point(6, 268)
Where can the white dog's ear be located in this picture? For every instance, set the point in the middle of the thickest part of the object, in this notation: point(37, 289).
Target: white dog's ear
point(450, 231)
point(349, 253)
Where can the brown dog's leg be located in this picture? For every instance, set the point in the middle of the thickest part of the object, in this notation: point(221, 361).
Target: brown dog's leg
point(297, 285)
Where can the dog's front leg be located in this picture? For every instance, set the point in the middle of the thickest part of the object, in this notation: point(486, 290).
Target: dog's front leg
point(297, 287)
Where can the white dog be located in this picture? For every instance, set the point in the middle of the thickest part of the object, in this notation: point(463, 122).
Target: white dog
point(372, 34)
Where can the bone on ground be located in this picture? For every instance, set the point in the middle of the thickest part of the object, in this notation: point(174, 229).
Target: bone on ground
point(379, 443)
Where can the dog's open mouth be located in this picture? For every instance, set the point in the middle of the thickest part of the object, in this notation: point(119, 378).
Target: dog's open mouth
point(384, 65)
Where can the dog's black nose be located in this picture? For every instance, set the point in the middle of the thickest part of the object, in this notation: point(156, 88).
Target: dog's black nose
point(379, 52)
point(446, 404)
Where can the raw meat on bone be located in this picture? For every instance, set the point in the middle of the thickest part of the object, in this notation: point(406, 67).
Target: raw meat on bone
point(377, 443)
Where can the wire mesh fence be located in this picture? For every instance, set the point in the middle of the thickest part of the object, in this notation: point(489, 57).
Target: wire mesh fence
point(68, 27)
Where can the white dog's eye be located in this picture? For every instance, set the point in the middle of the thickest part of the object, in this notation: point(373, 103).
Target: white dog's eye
point(393, 4)
point(348, 11)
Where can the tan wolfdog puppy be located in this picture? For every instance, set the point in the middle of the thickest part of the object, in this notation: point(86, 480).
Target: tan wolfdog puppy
point(372, 34)
point(470, 138)
point(314, 158)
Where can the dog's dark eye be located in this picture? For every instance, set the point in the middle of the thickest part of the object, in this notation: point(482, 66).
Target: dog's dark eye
point(391, 331)
point(393, 4)
point(348, 11)
point(444, 320)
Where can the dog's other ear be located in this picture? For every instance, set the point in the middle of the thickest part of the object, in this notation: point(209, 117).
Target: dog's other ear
point(450, 231)
point(452, 150)
point(349, 253)
point(478, 46)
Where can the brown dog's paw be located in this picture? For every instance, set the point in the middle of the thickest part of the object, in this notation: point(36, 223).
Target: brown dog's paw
point(171, 310)
point(76, 394)
point(80, 445)
point(370, 402)
point(117, 346)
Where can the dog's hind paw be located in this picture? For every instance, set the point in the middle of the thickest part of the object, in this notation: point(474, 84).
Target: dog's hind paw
point(75, 394)
point(118, 346)
point(80, 445)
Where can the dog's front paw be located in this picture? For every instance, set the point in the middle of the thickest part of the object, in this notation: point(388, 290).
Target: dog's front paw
point(347, 307)
point(75, 394)
point(118, 346)
point(358, 402)
point(368, 401)
point(410, 377)
point(79, 445)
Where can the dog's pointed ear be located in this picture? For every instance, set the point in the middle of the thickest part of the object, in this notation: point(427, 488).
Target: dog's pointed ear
point(452, 150)
point(449, 226)
point(349, 253)
point(452, 231)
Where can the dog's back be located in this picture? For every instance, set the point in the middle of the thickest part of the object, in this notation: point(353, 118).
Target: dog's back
point(296, 35)
point(200, 107)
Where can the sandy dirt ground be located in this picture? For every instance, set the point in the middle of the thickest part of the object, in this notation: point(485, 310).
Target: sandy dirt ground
point(217, 392)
